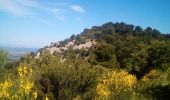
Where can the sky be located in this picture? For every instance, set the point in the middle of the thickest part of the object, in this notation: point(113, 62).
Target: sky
point(37, 23)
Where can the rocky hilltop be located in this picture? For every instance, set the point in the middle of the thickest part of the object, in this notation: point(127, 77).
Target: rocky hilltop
point(110, 33)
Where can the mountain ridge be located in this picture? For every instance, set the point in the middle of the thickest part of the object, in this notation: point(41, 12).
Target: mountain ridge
point(89, 36)
point(115, 45)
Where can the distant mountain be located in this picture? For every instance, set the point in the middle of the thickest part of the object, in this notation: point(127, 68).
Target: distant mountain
point(16, 52)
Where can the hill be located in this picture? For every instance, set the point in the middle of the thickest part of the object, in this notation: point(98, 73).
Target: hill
point(114, 61)
point(116, 44)
point(108, 32)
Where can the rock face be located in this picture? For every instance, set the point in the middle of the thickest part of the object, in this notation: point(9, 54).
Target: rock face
point(37, 55)
point(86, 45)
point(56, 47)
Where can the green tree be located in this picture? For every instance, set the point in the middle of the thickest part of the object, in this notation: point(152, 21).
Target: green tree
point(3, 58)
point(104, 54)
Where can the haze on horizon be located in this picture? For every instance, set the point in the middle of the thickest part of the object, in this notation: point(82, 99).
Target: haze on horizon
point(36, 23)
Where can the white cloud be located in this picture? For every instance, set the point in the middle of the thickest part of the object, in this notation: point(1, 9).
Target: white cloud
point(77, 8)
point(35, 9)
point(28, 3)
point(13, 7)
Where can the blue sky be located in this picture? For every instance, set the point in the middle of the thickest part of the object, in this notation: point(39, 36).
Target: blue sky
point(36, 23)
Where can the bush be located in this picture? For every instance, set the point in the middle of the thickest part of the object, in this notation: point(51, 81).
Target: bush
point(20, 88)
point(3, 59)
point(103, 54)
point(117, 84)
point(64, 80)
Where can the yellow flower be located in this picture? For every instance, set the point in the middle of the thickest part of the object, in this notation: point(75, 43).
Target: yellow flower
point(114, 82)
point(46, 98)
point(23, 90)
point(28, 86)
point(25, 83)
point(103, 90)
point(35, 95)
point(25, 70)
point(4, 89)
point(31, 70)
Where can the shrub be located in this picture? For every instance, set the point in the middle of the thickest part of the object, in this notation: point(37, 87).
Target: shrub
point(3, 59)
point(117, 84)
point(20, 88)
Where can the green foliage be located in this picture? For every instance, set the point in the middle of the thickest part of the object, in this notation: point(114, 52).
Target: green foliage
point(103, 54)
point(127, 62)
point(3, 59)
point(160, 54)
point(63, 80)
point(140, 56)
point(156, 84)
point(6, 68)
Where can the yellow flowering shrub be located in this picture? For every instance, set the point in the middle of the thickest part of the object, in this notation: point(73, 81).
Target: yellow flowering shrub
point(4, 88)
point(24, 80)
point(19, 88)
point(114, 83)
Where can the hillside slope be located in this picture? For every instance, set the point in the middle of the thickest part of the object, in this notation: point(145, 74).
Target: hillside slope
point(108, 32)
point(114, 61)
point(116, 44)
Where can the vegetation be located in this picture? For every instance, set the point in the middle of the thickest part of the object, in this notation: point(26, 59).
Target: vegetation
point(127, 63)
point(3, 58)
point(113, 87)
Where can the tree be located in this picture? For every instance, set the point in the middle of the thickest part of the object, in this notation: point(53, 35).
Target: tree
point(104, 54)
point(138, 29)
point(155, 33)
point(129, 28)
point(72, 37)
point(3, 58)
point(120, 27)
point(148, 31)
point(159, 54)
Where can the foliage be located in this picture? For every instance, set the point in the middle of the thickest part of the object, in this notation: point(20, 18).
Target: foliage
point(3, 59)
point(116, 84)
point(21, 88)
point(127, 63)
point(104, 55)
point(63, 80)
